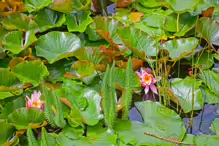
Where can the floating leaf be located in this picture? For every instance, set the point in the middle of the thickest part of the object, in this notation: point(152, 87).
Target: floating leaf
point(138, 42)
point(14, 41)
point(47, 19)
point(204, 140)
point(150, 3)
point(19, 21)
point(34, 5)
point(78, 21)
point(107, 29)
point(205, 60)
point(211, 80)
point(57, 45)
point(160, 121)
point(188, 93)
point(209, 29)
point(179, 48)
point(8, 81)
point(185, 23)
point(30, 72)
point(6, 131)
point(23, 118)
point(209, 96)
point(135, 16)
point(182, 6)
point(3, 33)
point(83, 68)
point(215, 126)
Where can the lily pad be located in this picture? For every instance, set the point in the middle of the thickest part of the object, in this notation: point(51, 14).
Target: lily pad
point(150, 3)
point(15, 42)
point(19, 21)
point(211, 80)
point(209, 29)
point(209, 96)
point(8, 81)
point(78, 21)
point(47, 18)
point(205, 140)
point(188, 93)
point(23, 118)
point(181, 6)
point(179, 48)
point(215, 126)
point(160, 121)
point(30, 72)
point(83, 68)
point(6, 132)
point(205, 60)
point(34, 5)
point(138, 42)
point(56, 45)
point(3, 33)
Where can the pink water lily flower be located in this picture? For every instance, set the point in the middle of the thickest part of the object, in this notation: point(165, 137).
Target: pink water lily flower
point(147, 81)
point(35, 101)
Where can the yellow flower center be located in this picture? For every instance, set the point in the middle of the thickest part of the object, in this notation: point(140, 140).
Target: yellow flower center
point(36, 104)
point(147, 79)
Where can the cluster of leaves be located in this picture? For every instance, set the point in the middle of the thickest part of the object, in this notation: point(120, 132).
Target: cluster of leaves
point(82, 56)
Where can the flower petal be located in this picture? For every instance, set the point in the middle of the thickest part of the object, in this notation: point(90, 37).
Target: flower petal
point(28, 102)
point(146, 89)
point(153, 88)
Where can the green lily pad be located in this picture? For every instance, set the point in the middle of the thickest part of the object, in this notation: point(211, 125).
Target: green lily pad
point(83, 68)
point(107, 29)
point(6, 131)
point(73, 133)
point(209, 29)
point(56, 45)
point(89, 115)
point(180, 6)
point(160, 121)
point(215, 126)
point(3, 33)
point(15, 42)
point(48, 139)
point(209, 96)
point(23, 118)
point(205, 60)
point(33, 5)
point(47, 18)
point(211, 80)
point(138, 42)
point(179, 48)
point(150, 3)
point(186, 22)
point(8, 81)
point(19, 21)
point(30, 72)
point(101, 139)
point(206, 140)
point(188, 90)
point(78, 21)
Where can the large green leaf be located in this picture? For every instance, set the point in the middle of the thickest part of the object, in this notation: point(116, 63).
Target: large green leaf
point(215, 126)
point(30, 72)
point(138, 42)
point(205, 60)
point(209, 29)
point(57, 45)
point(185, 23)
point(85, 103)
point(47, 18)
point(19, 21)
point(78, 21)
point(2, 34)
point(83, 68)
point(206, 140)
point(182, 5)
point(150, 3)
point(23, 118)
point(15, 42)
point(209, 97)
point(158, 120)
point(188, 93)
point(211, 80)
point(8, 81)
point(6, 131)
point(101, 139)
point(179, 48)
point(34, 5)
point(107, 28)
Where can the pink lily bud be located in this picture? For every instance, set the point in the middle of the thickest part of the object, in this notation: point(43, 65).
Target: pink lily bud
point(35, 101)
